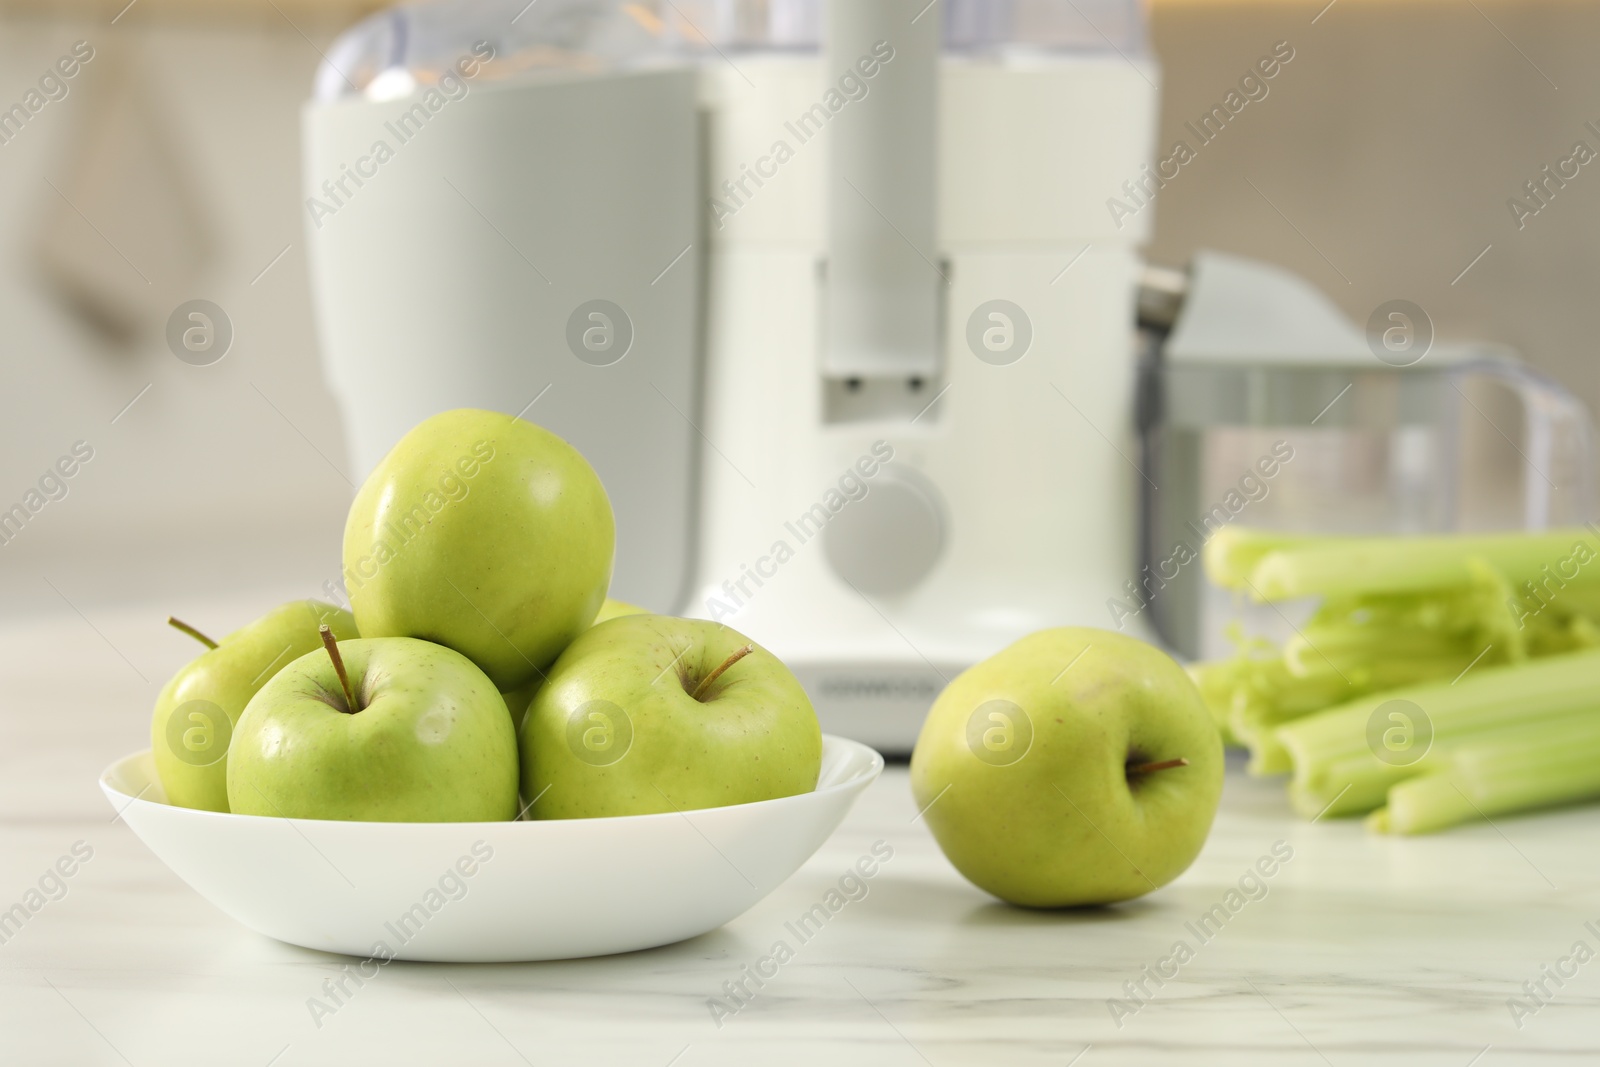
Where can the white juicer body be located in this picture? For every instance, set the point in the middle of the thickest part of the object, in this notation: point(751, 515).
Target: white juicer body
point(1010, 500)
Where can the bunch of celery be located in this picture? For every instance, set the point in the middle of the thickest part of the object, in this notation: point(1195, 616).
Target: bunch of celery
point(1502, 739)
point(1407, 618)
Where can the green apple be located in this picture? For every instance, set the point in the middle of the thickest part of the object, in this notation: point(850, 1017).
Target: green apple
point(387, 729)
point(517, 700)
point(484, 533)
point(615, 609)
point(198, 709)
point(1075, 767)
point(649, 713)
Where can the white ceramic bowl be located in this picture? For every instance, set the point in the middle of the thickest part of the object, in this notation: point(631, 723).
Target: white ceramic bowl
point(492, 891)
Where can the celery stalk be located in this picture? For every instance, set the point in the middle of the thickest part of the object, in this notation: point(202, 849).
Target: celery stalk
point(1522, 763)
point(1351, 785)
point(1330, 750)
point(1488, 780)
point(1421, 805)
point(1234, 551)
point(1268, 757)
point(1347, 566)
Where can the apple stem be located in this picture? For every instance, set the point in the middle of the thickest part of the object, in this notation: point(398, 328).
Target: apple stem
point(331, 643)
point(178, 624)
point(1164, 765)
point(705, 683)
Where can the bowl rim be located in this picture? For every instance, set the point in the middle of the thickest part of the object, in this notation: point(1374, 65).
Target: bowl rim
point(860, 780)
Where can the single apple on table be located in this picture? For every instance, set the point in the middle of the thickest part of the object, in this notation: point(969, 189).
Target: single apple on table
point(517, 700)
point(1077, 766)
point(484, 533)
point(199, 707)
point(649, 713)
point(388, 729)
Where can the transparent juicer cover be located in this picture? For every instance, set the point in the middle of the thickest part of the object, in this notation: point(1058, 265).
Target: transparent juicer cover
point(391, 54)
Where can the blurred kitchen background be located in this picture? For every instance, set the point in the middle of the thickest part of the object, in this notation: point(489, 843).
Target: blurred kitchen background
point(1378, 167)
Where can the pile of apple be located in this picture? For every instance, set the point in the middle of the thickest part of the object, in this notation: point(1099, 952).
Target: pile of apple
point(481, 658)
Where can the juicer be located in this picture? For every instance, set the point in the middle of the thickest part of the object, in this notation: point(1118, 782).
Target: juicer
point(828, 293)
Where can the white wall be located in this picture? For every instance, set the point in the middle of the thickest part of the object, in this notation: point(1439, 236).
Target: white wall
point(202, 481)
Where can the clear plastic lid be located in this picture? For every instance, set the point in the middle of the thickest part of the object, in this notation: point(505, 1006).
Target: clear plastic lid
point(390, 54)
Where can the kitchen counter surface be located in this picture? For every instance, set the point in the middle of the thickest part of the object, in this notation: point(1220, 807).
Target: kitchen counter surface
point(1362, 949)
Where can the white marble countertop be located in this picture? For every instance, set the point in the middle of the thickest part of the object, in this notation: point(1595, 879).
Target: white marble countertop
point(1364, 949)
